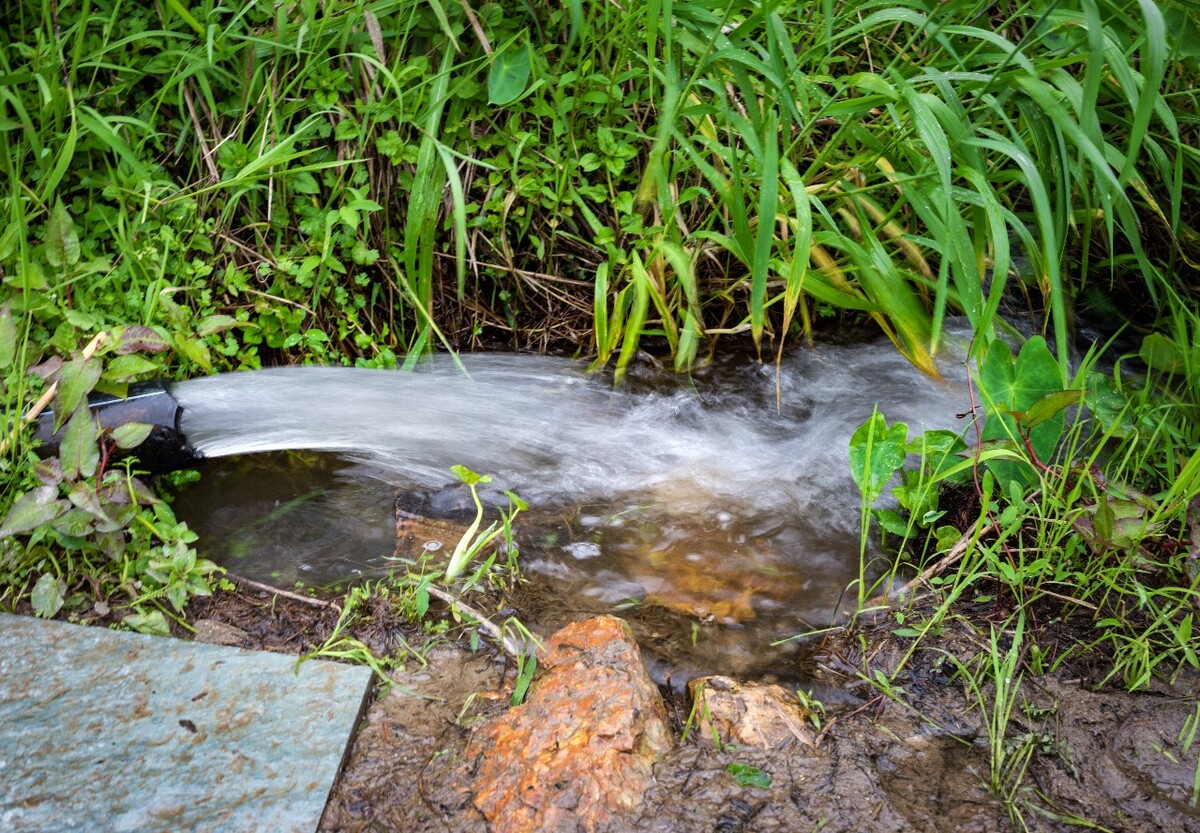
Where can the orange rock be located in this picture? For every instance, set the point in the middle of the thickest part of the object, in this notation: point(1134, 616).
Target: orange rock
point(581, 748)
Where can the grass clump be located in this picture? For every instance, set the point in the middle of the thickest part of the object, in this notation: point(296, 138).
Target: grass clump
point(1080, 550)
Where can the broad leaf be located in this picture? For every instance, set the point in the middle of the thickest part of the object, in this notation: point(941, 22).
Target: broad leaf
point(509, 74)
point(126, 368)
point(1015, 384)
point(469, 477)
point(78, 452)
point(212, 324)
point(75, 523)
point(131, 434)
point(749, 776)
point(195, 350)
point(62, 240)
point(1051, 405)
point(1162, 354)
point(48, 472)
point(876, 452)
point(47, 596)
point(139, 339)
point(152, 622)
point(8, 338)
point(75, 381)
point(890, 521)
point(34, 508)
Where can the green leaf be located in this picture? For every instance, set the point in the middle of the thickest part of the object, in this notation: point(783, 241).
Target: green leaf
point(62, 240)
point(75, 381)
point(8, 338)
point(1051, 405)
point(138, 339)
point(75, 523)
point(47, 596)
point(304, 183)
point(31, 510)
point(469, 477)
point(890, 520)
point(947, 537)
point(876, 452)
point(525, 672)
point(749, 776)
point(126, 368)
point(509, 74)
point(212, 324)
point(153, 623)
point(195, 350)
point(1162, 354)
point(78, 452)
point(131, 434)
point(1015, 384)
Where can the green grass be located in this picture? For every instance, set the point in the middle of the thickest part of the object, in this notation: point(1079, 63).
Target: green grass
point(1082, 552)
point(339, 181)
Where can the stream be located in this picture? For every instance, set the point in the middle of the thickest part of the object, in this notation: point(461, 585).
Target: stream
point(717, 512)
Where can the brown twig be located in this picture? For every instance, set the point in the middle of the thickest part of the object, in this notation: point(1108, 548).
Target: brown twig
point(952, 557)
point(479, 33)
point(206, 153)
point(287, 594)
point(511, 646)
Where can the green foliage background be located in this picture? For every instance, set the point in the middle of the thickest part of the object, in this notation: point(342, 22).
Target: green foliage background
point(355, 181)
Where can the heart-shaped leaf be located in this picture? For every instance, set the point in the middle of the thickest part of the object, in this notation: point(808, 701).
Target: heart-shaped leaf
point(509, 74)
point(1014, 384)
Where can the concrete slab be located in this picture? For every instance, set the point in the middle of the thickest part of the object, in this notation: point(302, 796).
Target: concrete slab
point(108, 731)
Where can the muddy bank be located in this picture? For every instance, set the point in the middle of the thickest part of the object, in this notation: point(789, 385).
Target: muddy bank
point(913, 758)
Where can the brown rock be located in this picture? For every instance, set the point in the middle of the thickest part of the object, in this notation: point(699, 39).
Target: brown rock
point(748, 714)
point(581, 748)
point(219, 633)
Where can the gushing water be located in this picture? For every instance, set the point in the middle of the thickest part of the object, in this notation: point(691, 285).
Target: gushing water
point(544, 428)
point(726, 498)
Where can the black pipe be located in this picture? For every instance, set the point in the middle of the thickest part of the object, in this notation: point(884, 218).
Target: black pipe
point(151, 403)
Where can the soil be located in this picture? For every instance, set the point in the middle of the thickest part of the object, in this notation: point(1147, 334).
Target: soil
point(917, 760)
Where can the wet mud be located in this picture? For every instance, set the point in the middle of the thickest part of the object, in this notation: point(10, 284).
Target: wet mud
point(913, 758)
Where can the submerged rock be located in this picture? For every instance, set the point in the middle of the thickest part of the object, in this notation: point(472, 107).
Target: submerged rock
point(747, 714)
point(581, 748)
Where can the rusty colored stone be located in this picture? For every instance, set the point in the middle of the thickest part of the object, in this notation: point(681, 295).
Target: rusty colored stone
point(747, 714)
point(415, 533)
point(581, 748)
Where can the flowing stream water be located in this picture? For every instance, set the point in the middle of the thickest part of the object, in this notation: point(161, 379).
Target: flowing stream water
point(718, 512)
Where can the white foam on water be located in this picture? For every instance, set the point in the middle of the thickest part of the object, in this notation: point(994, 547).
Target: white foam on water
point(545, 428)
